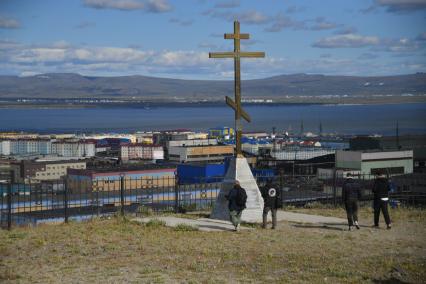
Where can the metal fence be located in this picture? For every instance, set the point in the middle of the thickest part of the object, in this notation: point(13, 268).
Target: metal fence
point(65, 200)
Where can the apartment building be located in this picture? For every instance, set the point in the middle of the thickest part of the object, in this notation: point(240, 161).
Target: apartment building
point(5, 147)
point(141, 152)
point(37, 171)
point(77, 148)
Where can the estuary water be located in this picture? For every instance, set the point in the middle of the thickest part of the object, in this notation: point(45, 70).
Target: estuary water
point(342, 119)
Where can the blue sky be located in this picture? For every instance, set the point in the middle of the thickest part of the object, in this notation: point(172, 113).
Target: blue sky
point(172, 38)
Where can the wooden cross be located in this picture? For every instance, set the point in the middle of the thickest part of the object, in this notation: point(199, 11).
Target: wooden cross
point(236, 105)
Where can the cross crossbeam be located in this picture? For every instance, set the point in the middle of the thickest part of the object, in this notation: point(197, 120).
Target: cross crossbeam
point(236, 104)
point(236, 54)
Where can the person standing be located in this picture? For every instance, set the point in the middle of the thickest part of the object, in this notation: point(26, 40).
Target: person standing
point(237, 198)
point(272, 201)
point(381, 190)
point(351, 193)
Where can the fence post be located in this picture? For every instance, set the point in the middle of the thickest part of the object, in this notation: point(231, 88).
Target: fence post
point(334, 187)
point(122, 194)
point(176, 194)
point(66, 200)
point(9, 201)
point(281, 178)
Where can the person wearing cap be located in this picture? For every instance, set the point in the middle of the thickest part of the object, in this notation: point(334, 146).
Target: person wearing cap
point(381, 190)
point(271, 202)
point(236, 204)
point(351, 193)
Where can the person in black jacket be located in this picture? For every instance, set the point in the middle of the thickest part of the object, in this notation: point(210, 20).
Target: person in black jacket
point(381, 190)
point(351, 193)
point(272, 200)
point(236, 197)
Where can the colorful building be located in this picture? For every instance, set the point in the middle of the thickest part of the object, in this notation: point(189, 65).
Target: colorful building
point(110, 179)
point(221, 133)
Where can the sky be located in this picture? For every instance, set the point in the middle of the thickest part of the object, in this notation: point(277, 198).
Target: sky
point(172, 38)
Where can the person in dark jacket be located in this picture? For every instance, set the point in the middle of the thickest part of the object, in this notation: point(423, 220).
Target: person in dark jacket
point(272, 200)
point(351, 193)
point(234, 206)
point(381, 190)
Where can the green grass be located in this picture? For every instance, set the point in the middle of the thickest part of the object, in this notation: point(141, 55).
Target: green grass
point(117, 250)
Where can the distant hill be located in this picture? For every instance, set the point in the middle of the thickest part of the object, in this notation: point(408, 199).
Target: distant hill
point(68, 85)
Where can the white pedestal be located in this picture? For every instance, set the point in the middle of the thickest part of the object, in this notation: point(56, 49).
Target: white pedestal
point(239, 170)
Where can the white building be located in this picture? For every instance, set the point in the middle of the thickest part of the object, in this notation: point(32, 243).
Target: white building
point(141, 152)
point(301, 153)
point(5, 147)
point(30, 146)
point(191, 142)
point(74, 148)
point(368, 163)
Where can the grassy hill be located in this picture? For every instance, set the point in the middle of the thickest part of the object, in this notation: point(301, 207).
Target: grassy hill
point(120, 251)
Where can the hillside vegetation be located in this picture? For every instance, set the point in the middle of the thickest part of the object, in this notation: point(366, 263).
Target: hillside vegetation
point(120, 251)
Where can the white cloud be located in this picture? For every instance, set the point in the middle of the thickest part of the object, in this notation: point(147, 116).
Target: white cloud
point(23, 59)
point(85, 25)
point(421, 37)
point(281, 22)
point(402, 5)
point(396, 6)
point(321, 23)
point(181, 22)
point(114, 4)
point(8, 23)
point(248, 17)
point(158, 6)
point(347, 41)
point(227, 4)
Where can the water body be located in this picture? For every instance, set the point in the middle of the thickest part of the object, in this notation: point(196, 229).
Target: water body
point(343, 119)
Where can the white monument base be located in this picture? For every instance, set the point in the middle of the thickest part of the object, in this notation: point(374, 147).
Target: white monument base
point(239, 170)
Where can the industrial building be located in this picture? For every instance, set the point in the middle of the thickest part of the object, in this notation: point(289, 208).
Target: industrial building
point(221, 133)
point(215, 153)
point(176, 135)
point(81, 180)
point(417, 143)
point(369, 163)
point(37, 171)
point(200, 173)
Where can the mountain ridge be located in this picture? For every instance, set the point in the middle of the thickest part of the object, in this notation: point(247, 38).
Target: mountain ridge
point(73, 85)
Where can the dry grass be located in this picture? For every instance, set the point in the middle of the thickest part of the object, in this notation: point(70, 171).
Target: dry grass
point(117, 251)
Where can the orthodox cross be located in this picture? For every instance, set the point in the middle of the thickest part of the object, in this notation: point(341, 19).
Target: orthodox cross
point(236, 105)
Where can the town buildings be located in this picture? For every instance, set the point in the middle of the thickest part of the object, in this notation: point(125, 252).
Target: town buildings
point(202, 153)
point(85, 180)
point(369, 163)
point(43, 146)
point(37, 171)
point(141, 152)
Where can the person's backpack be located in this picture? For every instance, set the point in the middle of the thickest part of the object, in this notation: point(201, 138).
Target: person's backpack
point(241, 197)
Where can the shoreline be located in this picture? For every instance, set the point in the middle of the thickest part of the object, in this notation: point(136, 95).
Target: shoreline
point(56, 104)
